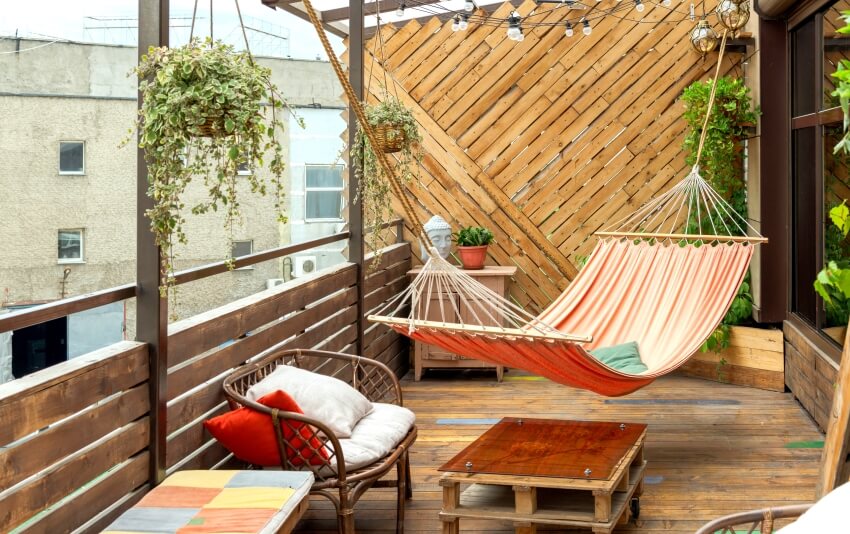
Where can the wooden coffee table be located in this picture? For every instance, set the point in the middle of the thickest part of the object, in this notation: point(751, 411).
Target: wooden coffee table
point(547, 472)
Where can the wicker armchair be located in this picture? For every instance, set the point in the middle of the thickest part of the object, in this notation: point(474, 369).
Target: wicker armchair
point(753, 521)
point(333, 481)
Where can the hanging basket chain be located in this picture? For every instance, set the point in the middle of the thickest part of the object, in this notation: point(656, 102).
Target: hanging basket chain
point(357, 106)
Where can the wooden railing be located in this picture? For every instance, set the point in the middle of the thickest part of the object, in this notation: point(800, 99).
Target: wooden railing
point(75, 438)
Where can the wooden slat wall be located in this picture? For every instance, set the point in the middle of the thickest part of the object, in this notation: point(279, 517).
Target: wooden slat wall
point(80, 427)
point(546, 139)
point(810, 374)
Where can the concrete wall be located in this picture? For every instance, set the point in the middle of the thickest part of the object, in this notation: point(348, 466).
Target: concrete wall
point(72, 91)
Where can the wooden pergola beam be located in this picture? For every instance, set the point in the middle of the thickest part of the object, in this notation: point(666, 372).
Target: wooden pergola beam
point(297, 9)
point(371, 8)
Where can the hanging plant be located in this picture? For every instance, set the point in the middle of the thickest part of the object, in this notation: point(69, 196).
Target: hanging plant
point(398, 133)
point(206, 111)
point(722, 165)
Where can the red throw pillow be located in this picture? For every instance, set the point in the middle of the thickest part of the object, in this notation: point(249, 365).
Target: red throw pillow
point(250, 434)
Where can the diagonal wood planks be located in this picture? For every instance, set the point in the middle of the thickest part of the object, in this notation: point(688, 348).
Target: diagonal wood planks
point(546, 140)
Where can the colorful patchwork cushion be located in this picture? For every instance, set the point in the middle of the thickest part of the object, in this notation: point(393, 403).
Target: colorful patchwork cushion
point(199, 502)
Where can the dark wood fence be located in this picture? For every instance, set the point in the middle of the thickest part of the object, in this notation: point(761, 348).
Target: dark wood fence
point(75, 438)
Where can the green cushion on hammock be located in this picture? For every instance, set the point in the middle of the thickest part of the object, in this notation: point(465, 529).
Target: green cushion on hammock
point(624, 358)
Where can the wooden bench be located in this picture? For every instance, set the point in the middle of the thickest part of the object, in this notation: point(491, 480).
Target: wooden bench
point(220, 501)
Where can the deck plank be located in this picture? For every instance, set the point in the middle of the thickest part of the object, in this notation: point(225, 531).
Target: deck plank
point(713, 449)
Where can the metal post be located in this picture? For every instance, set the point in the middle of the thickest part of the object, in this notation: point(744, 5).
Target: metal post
point(151, 308)
point(355, 211)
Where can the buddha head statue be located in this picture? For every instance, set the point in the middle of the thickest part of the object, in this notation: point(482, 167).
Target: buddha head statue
point(440, 233)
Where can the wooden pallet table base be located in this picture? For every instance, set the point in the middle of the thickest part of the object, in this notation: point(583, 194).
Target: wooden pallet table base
point(541, 497)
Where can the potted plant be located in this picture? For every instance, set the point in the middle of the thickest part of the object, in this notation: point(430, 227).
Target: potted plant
point(203, 115)
point(472, 243)
point(398, 134)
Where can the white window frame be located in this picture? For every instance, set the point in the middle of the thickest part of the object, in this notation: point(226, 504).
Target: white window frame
point(251, 241)
point(59, 159)
point(82, 258)
point(244, 172)
point(307, 190)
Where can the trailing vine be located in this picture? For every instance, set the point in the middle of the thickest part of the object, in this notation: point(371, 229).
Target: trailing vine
point(206, 111)
point(374, 189)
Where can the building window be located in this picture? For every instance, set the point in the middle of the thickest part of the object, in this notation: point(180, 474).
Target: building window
point(71, 246)
point(72, 157)
point(323, 192)
point(243, 170)
point(242, 248)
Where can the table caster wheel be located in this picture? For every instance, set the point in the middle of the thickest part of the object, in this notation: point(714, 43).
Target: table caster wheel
point(635, 507)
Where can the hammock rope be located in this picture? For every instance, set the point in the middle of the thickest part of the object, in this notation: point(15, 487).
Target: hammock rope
point(646, 277)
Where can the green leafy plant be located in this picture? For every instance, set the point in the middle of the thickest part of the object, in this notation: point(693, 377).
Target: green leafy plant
point(842, 89)
point(473, 236)
point(374, 188)
point(203, 116)
point(722, 165)
point(833, 281)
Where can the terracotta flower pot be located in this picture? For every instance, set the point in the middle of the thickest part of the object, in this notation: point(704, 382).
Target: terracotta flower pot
point(472, 258)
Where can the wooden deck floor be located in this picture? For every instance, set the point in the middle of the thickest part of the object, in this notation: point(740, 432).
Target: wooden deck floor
point(713, 449)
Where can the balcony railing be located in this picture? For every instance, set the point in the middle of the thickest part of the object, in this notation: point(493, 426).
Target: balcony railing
point(76, 440)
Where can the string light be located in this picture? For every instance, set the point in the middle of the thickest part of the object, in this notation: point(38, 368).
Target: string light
point(513, 26)
point(461, 18)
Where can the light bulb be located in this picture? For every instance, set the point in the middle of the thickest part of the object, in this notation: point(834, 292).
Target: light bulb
point(456, 24)
point(520, 36)
point(665, 3)
point(587, 30)
point(513, 26)
point(639, 6)
point(468, 6)
point(464, 22)
point(569, 32)
point(400, 11)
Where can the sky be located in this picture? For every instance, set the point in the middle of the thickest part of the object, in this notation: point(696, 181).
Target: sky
point(66, 19)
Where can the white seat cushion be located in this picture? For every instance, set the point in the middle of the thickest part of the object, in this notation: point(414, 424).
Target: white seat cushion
point(826, 515)
point(320, 397)
point(376, 435)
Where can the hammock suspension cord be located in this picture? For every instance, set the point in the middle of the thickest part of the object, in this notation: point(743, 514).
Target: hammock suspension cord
point(357, 107)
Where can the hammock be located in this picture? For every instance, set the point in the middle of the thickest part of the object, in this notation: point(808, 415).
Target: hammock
point(665, 291)
point(663, 277)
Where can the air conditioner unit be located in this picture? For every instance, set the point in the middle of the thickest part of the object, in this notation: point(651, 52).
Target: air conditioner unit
point(272, 282)
point(304, 265)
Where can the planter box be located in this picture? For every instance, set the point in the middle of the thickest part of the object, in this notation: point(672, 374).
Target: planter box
point(755, 358)
point(837, 333)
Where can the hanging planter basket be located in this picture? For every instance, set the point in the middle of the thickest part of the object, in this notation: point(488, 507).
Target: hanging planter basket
point(390, 137)
point(212, 127)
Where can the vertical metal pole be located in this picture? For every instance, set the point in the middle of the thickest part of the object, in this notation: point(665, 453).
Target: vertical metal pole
point(355, 211)
point(151, 308)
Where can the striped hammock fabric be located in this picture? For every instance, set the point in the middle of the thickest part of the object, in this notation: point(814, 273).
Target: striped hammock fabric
point(645, 282)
